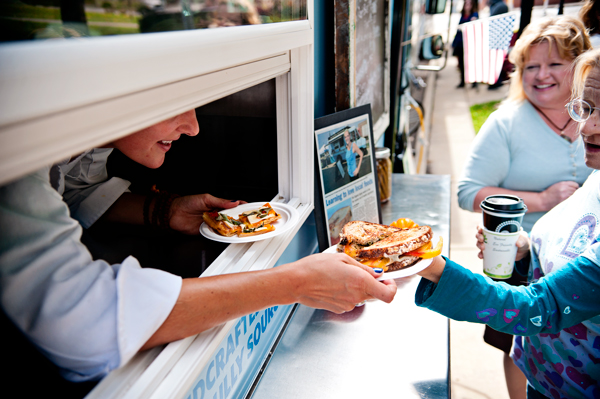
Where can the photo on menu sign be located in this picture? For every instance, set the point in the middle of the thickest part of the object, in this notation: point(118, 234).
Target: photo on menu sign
point(346, 173)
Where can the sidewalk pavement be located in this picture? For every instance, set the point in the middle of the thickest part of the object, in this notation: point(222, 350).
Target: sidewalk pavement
point(476, 368)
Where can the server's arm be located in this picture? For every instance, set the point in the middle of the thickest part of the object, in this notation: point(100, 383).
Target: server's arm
point(334, 282)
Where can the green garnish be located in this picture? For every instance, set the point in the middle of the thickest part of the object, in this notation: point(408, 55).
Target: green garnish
point(259, 212)
point(224, 217)
point(250, 230)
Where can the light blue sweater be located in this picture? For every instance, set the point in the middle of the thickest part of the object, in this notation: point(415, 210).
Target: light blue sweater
point(515, 149)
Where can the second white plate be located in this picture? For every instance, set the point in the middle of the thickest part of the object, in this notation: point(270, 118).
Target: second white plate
point(404, 272)
point(289, 216)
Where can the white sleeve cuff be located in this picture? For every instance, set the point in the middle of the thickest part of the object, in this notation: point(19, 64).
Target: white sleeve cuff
point(146, 297)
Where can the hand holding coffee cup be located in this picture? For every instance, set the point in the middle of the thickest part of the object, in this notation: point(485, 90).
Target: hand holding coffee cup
point(523, 244)
point(502, 218)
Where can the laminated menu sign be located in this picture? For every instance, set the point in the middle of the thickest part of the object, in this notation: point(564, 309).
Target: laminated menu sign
point(232, 368)
point(346, 172)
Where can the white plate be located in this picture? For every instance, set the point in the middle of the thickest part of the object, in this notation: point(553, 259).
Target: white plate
point(404, 272)
point(289, 216)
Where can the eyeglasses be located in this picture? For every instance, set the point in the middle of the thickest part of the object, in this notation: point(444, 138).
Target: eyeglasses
point(580, 110)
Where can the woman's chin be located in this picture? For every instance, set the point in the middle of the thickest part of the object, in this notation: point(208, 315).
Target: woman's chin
point(592, 159)
point(153, 162)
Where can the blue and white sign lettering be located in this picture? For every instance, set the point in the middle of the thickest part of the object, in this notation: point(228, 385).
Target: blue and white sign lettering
point(235, 363)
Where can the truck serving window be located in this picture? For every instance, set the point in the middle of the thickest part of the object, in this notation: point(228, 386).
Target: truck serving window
point(233, 157)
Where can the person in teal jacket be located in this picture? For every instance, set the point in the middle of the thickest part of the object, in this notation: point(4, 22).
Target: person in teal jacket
point(556, 318)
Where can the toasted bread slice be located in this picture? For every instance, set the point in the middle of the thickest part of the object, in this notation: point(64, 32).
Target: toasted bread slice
point(397, 243)
point(257, 217)
point(222, 224)
point(365, 233)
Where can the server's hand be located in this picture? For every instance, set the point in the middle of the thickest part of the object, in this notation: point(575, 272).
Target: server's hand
point(186, 212)
point(336, 282)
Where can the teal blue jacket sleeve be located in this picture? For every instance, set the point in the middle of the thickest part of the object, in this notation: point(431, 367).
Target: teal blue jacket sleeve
point(561, 300)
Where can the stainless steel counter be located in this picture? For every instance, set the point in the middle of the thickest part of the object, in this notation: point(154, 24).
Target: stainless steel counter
point(379, 350)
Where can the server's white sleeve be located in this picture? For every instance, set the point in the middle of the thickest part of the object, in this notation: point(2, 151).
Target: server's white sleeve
point(87, 316)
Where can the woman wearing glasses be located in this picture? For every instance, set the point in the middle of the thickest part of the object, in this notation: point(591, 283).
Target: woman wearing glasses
point(559, 312)
point(529, 146)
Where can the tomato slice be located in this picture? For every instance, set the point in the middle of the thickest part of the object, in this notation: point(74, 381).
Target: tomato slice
point(404, 223)
point(427, 253)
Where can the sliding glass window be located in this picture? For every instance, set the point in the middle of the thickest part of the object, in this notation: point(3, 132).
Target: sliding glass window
point(51, 19)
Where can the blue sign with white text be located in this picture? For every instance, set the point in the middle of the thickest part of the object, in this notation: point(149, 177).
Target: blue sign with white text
point(238, 358)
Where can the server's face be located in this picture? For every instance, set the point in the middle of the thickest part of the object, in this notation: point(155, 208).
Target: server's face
point(149, 146)
point(590, 131)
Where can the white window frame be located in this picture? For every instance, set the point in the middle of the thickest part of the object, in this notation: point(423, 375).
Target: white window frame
point(62, 97)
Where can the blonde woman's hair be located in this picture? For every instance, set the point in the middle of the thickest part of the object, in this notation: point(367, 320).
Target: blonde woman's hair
point(569, 35)
point(583, 66)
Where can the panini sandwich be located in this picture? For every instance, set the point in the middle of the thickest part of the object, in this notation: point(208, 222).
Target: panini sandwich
point(386, 247)
point(250, 223)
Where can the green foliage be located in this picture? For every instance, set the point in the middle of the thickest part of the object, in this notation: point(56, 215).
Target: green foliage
point(110, 30)
point(43, 3)
point(109, 17)
point(480, 113)
point(21, 21)
point(16, 10)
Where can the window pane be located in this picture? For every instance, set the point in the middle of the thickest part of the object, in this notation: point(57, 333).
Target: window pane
point(45, 19)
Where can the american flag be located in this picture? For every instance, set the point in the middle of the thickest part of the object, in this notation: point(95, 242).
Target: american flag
point(485, 44)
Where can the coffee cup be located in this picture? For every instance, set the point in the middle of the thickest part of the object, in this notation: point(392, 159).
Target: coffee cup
point(503, 213)
point(499, 253)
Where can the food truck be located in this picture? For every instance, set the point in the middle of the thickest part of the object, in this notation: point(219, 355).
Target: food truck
point(257, 78)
